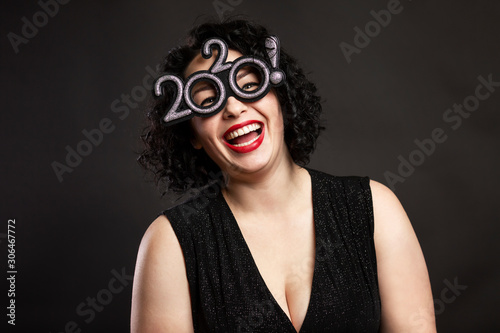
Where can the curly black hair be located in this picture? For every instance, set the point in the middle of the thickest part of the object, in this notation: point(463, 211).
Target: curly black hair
point(168, 152)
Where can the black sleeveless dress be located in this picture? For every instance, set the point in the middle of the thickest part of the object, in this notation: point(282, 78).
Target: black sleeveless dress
point(228, 294)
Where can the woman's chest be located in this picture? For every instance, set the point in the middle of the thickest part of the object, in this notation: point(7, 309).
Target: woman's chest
point(284, 254)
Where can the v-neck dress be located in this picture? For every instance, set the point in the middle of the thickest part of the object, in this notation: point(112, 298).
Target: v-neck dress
point(228, 293)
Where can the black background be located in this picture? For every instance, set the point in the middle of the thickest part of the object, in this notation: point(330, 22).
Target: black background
point(71, 234)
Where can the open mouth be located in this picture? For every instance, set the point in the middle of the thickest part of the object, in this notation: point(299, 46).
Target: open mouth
point(245, 135)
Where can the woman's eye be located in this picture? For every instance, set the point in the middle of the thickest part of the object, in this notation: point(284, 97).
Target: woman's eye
point(250, 86)
point(204, 93)
point(207, 101)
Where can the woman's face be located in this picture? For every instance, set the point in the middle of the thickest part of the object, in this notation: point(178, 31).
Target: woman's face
point(243, 138)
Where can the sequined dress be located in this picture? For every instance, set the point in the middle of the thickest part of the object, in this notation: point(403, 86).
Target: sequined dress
point(228, 294)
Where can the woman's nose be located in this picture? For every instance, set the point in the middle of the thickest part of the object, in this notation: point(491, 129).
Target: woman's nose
point(234, 108)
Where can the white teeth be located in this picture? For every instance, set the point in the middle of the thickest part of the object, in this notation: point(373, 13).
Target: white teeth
point(246, 143)
point(242, 131)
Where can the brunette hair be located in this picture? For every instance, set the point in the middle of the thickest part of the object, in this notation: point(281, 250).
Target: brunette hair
point(168, 152)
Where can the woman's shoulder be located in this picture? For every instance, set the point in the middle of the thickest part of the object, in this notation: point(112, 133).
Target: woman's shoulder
point(161, 290)
point(158, 244)
point(158, 235)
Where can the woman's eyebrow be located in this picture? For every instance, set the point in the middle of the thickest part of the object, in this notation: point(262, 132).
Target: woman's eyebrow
point(202, 87)
point(242, 73)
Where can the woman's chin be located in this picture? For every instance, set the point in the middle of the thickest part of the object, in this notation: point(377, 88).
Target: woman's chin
point(240, 169)
point(264, 159)
point(245, 166)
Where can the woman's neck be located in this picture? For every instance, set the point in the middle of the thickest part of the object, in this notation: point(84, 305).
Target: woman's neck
point(271, 190)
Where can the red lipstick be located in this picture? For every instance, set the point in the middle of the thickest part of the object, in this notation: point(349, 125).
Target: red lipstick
point(250, 147)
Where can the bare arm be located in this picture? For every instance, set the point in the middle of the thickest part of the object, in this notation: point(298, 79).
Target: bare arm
point(405, 290)
point(160, 296)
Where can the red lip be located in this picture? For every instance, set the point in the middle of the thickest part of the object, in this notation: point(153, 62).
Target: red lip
point(251, 147)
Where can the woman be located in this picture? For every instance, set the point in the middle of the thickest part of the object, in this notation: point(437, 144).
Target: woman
point(279, 248)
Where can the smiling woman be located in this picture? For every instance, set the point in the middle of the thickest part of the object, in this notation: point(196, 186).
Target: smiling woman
point(278, 247)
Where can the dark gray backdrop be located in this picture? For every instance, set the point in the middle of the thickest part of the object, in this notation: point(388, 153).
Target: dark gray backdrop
point(74, 71)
